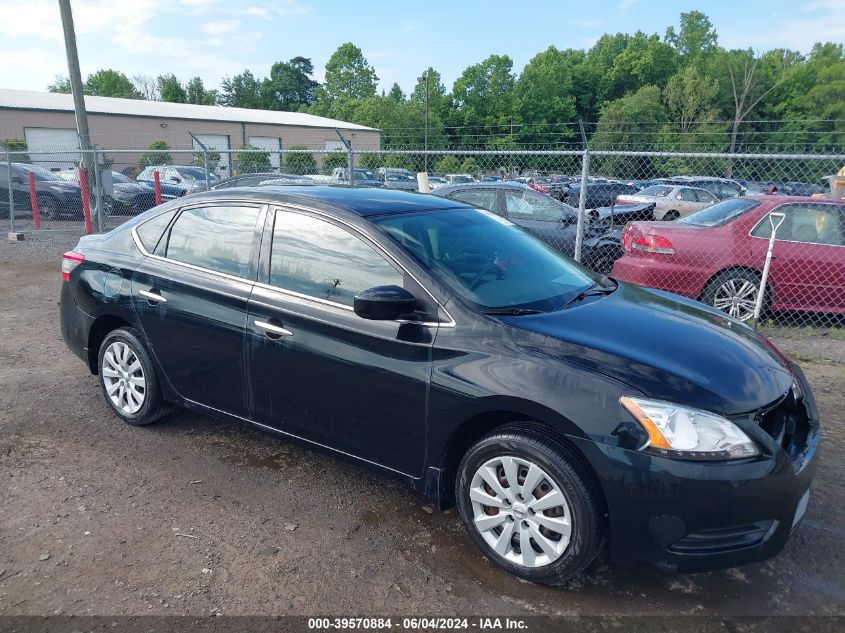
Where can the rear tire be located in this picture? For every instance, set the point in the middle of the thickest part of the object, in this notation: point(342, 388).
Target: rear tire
point(48, 208)
point(542, 542)
point(671, 216)
point(128, 378)
point(735, 292)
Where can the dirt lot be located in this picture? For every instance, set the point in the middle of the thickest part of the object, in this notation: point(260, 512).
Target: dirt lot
point(197, 516)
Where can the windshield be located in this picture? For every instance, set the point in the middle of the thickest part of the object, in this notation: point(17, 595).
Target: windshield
point(365, 173)
point(660, 191)
point(457, 180)
point(195, 173)
point(118, 177)
point(42, 174)
point(487, 260)
point(720, 213)
point(531, 205)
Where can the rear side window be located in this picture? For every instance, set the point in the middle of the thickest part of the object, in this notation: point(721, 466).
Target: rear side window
point(485, 199)
point(216, 238)
point(720, 213)
point(150, 231)
point(318, 259)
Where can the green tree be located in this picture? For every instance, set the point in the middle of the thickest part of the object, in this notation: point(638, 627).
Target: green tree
point(60, 84)
point(299, 163)
point(335, 159)
point(252, 161)
point(241, 91)
point(289, 86)
point(447, 165)
point(396, 93)
point(110, 83)
point(369, 160)
point(349, 75)
point(470, 166)
point(544, 100)
point(484, 100)
point(157, 154)
point(691, 99)
point(696, 38)
point(170, 89)
point(644, 61)
point(16, 145)
point(196, 92)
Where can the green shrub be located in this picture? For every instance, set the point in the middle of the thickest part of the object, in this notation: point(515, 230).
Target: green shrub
point(300, 163)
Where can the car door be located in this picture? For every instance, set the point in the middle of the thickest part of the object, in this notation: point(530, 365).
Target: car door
point(319, 371)
point(190, 295)
point(808, 259)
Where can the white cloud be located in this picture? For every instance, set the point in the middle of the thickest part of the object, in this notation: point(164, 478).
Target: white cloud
point(589, 23)
point(626, 4)
point(220, 27)
point(795, 34)
point(261, 12)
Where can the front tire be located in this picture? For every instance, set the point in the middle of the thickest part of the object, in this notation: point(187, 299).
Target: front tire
point(128, 378)
point(531, 506)
point(48, 208)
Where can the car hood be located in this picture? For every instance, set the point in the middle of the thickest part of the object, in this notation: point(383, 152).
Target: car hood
point(667, 347)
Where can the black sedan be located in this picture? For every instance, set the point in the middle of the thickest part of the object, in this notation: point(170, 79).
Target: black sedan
point(56, 197)
point(597, 194)
point(552, 221)
point(441, 345)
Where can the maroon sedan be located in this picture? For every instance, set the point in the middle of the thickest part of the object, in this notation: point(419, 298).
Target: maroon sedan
point(717, 254)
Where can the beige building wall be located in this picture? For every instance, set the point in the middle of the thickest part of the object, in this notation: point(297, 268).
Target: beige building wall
point(126, 137)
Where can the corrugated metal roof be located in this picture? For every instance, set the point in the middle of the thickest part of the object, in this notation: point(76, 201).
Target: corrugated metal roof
point(32, 100)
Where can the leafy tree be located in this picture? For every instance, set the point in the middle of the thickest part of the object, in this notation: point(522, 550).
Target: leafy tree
point(349, 75)
point(195, 92)
point(16, 145)
point(399, 161)
point(157, 154)
point(110, 83)
point(170, 89)
point(369, 160)
point(289, 85)
point(335, 159)
point(241, 91)
point(691, 99)
point(696, 38)
point(644, 61)
point(470, 166)
point(253, 161)
point(396, 93)
point(484, 99)
point(299, 163)
point(60, 84)
point(544, 100)
point(447, 165)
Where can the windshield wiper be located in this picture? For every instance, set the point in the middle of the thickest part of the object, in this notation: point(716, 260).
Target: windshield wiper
point(510, 311)
point(605, 287)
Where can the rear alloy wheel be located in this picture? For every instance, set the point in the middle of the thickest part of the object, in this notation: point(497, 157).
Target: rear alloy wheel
point(128, 378)
point(48, 208)
point(735, 292)
point(530, 505)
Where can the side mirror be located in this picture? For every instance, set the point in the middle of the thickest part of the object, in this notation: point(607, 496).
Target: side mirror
point(384, 303)
point(175, 179)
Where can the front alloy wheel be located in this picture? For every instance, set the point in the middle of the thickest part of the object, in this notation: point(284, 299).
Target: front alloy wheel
point(520, 511)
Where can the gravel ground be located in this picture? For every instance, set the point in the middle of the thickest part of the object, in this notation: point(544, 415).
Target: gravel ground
point(198, 516)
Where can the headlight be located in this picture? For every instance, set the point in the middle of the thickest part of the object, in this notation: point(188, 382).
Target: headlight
point(678, 431)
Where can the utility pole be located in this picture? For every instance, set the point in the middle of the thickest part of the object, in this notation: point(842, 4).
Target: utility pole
point(424, 78)
point(76, 87)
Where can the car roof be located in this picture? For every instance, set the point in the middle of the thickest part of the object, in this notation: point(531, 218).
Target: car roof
point(508, 185)
point(362, 201)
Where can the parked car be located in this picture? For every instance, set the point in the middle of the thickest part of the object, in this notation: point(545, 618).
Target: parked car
point(720, 187)
point(489, 178)
point(717, 255)
point(363, 177)
point(552, 221)
point(283, 181)
point(598, 194)
point(459, 179)
point(445, 347)
point(188, 176)
point(435, 182)
point(130, 197)
point(671, 201)
point(383, 172)
point(56, 197)
point(251, 180)
point(401, 181)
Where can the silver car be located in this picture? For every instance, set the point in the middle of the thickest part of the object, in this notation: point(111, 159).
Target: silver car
point(671, 201)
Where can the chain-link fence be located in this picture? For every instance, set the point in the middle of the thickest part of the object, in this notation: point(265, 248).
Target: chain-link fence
point(694, 223)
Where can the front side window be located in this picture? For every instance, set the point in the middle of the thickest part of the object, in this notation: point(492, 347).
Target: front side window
point(807, 223)
point(687, 195)
point(530, 205)
point(216, 238)
point(316, 258)
point(483, 199)
point(659, 191)
point(487, 260)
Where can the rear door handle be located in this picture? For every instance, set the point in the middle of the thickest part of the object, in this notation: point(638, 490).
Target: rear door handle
point(153, 296)
point(272, 329)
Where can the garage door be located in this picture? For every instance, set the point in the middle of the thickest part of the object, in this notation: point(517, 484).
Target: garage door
point(269, 144)
point(216, 142)
point(53, 148)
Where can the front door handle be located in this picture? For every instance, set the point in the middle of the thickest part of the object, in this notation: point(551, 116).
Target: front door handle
point(270, 329)
point(153, 296)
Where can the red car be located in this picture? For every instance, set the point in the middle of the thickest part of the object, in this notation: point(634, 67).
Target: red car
point(716, 255)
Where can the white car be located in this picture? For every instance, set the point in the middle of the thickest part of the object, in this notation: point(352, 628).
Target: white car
point(671, 201)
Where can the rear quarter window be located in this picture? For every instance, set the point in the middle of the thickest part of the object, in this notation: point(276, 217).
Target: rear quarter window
point(150, 232)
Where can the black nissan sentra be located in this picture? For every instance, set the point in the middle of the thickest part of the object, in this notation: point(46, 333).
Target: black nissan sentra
point(560, 410)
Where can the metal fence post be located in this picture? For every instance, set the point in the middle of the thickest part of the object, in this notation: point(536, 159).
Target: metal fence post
point(11, 194)
point(98, 194)
point(582, 199)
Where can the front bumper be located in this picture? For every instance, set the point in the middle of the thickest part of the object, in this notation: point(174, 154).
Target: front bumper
point(690, 516)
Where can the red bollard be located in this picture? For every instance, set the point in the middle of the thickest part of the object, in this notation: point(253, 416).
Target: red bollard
point(86, 206)
point(33, 202)
point(157, 185)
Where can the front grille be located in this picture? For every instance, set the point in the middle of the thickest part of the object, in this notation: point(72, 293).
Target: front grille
point(722, 540)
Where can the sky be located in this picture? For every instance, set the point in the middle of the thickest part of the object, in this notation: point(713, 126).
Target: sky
point(216, 38)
